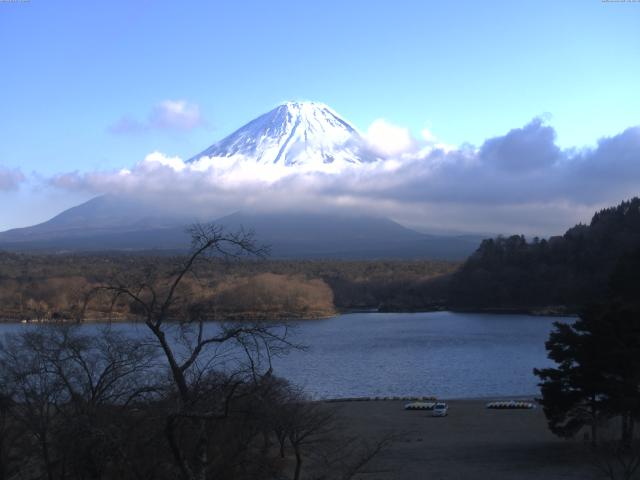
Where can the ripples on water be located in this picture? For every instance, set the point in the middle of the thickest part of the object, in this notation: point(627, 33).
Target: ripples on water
point(449, 355)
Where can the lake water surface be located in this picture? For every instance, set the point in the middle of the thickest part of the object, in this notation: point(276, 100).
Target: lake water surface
point(446, 354)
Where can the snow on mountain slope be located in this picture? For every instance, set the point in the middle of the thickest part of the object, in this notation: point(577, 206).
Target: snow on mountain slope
point(308, 134)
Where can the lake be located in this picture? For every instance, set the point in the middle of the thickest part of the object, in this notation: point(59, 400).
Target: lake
point(445, 354)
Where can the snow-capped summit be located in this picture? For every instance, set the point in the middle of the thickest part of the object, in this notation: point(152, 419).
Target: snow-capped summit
point(306, 134)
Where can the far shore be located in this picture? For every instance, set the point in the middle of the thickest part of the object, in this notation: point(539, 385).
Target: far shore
point(540, 312)
point(550, 311)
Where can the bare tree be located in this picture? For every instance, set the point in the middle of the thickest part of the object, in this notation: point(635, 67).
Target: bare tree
point(163, 305)
point(313, 431)
point(616, 459)
point(66, 388)
point(191, 399)
point(9, 433)
point(35, 395)
point(308, 425)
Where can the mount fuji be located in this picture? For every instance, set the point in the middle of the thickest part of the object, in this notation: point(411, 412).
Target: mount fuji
point(295, 134)
point(301, 136)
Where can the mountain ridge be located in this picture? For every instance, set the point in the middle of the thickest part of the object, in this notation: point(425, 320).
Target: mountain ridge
point(295, 134)
point(290, 235)
point(301, 136)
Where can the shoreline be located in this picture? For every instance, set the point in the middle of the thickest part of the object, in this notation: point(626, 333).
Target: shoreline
point(294, 318)
point(531, 311)
point(410, 398)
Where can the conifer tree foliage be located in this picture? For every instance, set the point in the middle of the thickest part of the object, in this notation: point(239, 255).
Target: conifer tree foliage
point(597, 376)
point(572, 393)
point(569, 270)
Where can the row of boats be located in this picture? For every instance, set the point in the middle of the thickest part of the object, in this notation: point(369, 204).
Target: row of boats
point(511, 404)
point(500, 405)
point(376, 399)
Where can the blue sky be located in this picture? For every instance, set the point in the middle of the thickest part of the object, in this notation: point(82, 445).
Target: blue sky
point(73, 72)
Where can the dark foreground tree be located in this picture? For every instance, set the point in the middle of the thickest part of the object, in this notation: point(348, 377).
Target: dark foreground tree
point(598, 373)
point(574, 393)
point(68, 400)
point(179, 398)
point(614, 460)
point(220, 397)
point(80, 404)
point(202, 400)
point(598, 357)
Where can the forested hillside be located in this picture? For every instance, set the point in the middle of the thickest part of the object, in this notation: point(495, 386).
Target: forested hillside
point(556, 275)
point(561, 273)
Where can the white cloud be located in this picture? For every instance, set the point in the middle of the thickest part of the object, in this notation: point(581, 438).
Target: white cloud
point(520, 182)
point(427, 135)
point(389, 140)
point(178, 115)
point(155, 159)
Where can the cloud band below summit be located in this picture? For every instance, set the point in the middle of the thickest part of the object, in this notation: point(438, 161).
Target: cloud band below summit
point(515, 182)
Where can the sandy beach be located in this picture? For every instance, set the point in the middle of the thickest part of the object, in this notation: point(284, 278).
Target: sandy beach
point(472, 442)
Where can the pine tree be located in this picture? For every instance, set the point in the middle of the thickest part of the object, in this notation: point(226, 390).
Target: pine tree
point(574, 393)
point(598, 357)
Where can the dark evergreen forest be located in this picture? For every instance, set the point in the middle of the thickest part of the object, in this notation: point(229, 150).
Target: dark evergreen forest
point(562, 273)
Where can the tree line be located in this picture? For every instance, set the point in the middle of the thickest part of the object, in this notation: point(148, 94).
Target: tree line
point(52, 287)
point(565, 272)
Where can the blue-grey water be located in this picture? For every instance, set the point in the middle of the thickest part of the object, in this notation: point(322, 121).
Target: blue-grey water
point(449, 355)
